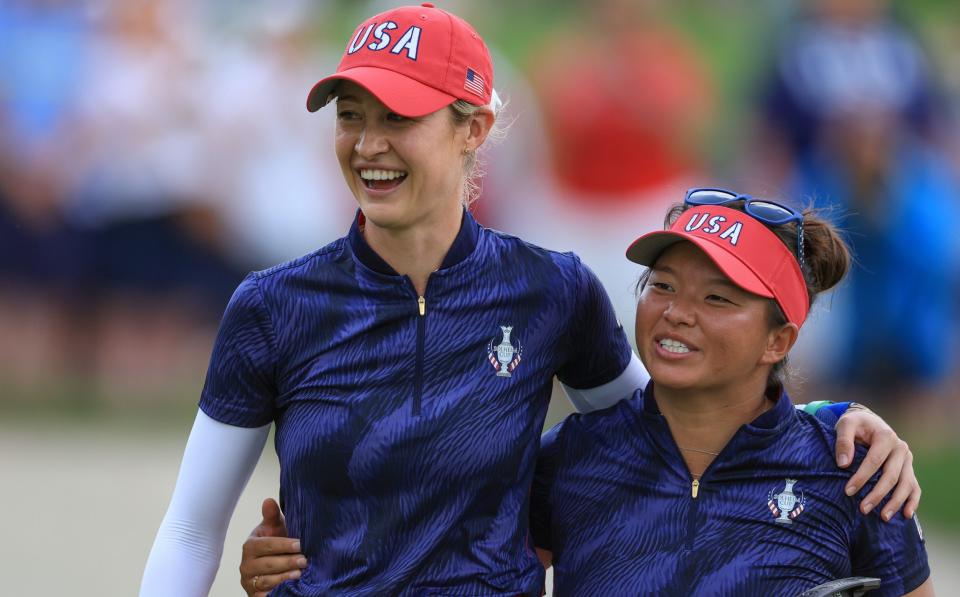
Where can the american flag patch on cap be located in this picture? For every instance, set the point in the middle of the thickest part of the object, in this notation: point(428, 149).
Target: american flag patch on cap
point(474, 82)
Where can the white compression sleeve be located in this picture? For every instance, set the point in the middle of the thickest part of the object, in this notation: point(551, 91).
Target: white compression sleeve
point(634, 376)
point(217, 463)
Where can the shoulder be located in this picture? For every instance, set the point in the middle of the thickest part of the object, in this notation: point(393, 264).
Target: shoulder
point(502, 241)
point(814, 442)
point(301, 267)
point(611, 426)
point(553, 273)
point(269, 293)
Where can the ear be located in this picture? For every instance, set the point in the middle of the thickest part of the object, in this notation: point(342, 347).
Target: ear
point(779, 343)
point(479, 127)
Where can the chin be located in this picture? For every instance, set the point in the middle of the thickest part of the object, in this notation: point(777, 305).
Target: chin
point(671, 382)
point(674, 380)
point(381, 214)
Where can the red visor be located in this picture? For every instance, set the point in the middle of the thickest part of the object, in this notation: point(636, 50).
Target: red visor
point(744, 249)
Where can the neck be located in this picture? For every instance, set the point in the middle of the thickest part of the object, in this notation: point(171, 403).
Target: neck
point(703, 423)
point(416, 251)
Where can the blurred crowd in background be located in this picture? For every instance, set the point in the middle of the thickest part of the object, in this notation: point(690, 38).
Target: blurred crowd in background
point(154, 151)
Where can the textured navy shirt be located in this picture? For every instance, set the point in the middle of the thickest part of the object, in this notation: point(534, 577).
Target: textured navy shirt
point(407, 427)
point(615, 502)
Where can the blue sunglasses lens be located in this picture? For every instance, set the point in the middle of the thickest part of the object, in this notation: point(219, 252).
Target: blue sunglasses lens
point(710, 197)
point(771, 212)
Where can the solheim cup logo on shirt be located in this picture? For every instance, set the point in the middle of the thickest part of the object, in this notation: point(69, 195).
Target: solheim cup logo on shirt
point(505, 357)
point(786, 505)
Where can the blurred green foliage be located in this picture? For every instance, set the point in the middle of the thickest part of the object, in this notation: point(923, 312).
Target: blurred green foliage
point(938, 469)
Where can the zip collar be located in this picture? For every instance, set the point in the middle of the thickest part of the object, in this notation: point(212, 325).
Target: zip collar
point(463, 245)
point(781, 413)
point(740, 453)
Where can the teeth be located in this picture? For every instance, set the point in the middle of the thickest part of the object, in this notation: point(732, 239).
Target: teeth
point(369, 174)
point(673, 346)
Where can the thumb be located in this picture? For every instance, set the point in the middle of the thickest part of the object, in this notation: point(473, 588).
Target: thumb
point(271, 512)
point(273, 523)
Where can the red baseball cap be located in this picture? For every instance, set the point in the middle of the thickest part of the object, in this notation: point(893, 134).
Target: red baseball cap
point(414, 59)
point(744, 249)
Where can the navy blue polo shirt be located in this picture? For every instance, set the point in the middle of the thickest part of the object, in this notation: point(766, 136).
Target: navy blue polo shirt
point(407, 427)
point(614, 501)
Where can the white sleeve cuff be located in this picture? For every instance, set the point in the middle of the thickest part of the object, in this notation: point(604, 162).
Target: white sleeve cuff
point(634, 376)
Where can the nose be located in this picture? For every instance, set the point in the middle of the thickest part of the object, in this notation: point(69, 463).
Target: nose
point(371, 142)
point(679, 313)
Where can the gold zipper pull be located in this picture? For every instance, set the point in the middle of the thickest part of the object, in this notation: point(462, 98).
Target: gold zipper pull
point(422, 302)
point(694, 488)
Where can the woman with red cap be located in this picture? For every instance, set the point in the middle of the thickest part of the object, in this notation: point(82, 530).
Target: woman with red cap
point(406, 366)
point(709, 481)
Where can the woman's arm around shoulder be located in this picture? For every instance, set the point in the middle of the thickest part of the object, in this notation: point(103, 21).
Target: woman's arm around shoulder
point(633, 377)
point(217, 463)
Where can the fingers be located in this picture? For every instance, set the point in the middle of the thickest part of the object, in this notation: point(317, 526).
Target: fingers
point(861, 425)
point(272, 565)
point(913, 502)
point(846, 431)
point(260, 574)
point(259, 547)
point(882, 444)
point(260, 585)
point(886, 450)
point(906, 493)
point(888, 480)
point(269, 556)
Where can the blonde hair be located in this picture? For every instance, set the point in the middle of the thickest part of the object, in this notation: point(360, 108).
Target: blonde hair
point(473, 171)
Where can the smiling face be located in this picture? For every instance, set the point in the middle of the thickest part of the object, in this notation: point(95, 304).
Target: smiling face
point(697, 332)
point(404, 172)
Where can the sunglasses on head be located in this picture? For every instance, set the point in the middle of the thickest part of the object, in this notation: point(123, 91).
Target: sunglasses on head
point(768, 212)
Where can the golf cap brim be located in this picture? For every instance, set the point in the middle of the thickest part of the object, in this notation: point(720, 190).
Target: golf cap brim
point(403, 95)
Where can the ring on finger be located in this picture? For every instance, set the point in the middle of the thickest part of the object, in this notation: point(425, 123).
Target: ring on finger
point(256, 580)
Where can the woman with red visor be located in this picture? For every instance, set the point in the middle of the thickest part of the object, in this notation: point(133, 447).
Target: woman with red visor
point(708, 480)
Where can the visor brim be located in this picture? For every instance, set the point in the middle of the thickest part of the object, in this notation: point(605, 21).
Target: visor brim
point(648, 248)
